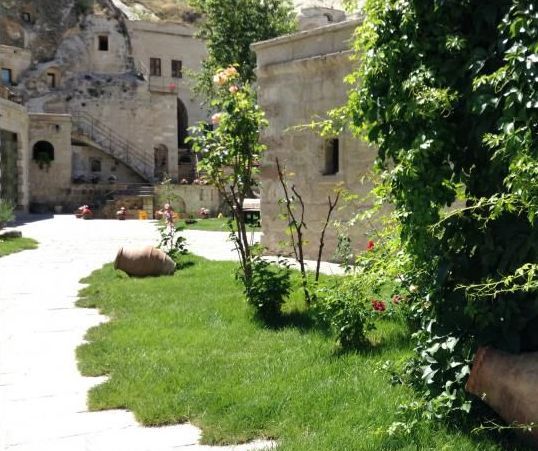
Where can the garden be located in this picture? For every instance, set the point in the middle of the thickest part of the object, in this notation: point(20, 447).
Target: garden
point(378, 358)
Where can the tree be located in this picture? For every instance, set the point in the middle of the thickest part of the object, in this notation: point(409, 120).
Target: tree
point(230, 152)
point(230, 27)
point(447, 91)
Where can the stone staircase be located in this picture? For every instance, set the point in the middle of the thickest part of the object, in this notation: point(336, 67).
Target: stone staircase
point(135, 197)
point(90, 131)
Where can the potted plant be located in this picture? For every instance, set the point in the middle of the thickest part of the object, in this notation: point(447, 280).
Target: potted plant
point(43, 160)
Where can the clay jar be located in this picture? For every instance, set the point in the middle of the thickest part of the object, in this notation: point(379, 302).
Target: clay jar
point(508, 383)
point(145, 261)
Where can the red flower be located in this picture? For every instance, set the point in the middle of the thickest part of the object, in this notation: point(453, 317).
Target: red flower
point(370, 245)
point(378, 305)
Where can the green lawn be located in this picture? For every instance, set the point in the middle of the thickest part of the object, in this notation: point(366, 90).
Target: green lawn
point(212, 224)
point(185, 347)
point(11, 245)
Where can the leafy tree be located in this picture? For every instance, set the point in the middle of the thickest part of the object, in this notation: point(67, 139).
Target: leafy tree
point(448, 92)
point(230, 152)
point(231, 26)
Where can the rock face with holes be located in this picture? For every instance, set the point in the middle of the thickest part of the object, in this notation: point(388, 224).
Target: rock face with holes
point(108, 94)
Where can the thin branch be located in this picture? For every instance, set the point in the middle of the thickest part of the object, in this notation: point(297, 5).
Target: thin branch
point(332, 206)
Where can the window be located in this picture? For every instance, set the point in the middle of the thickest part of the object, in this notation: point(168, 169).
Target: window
point(51, 80)
point(43, 153)
point(177, 67)
point(26, 17)
point(155, 67)
point(95, 165)
point(102, 41)
point(332, 157)
point(6, 76)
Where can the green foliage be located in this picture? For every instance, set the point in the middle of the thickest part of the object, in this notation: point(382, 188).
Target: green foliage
point(346, 308)
point(230, 152)
point(268, 288)
point(82, 7)
point(374, 289)
point(12, 245)
point(171, 242)
point(447, 91)
point(6, 212)
point(230, 27)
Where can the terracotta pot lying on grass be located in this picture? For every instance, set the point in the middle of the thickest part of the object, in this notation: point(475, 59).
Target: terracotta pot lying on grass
point(145, 261)
point(508, 383)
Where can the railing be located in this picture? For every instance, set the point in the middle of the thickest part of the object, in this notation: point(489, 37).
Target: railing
point(164, 84)
point(8, 94)
point(113, 144)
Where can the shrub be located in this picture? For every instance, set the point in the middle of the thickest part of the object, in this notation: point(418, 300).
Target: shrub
point(346, 308)
point(6, 212)
point(269, 287)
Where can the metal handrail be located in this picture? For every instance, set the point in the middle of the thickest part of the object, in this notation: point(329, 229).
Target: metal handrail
point(114, 144)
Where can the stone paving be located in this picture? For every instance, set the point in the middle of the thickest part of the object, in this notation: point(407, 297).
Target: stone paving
point(42, 394)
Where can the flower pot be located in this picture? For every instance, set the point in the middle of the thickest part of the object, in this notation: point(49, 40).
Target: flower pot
point(146, 261)
point(508, 383)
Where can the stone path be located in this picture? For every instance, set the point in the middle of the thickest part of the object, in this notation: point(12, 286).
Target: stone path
point(42, 394)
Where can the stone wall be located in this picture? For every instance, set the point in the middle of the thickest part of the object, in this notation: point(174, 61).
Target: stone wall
point(50, 182)
point(16, 59)
point(90, 164)
point(189, 199)
point(168, 42)
point(300, 78)
point(14, 120)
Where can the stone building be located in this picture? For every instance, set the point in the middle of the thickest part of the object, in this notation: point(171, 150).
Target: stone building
point(106, 100)
point(300, 78)
point(14, 153)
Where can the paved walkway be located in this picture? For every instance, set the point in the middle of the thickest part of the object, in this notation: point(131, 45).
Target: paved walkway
point(42, 394)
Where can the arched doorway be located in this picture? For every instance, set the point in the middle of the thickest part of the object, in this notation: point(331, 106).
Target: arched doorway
point(182, 124)
point(161, 162)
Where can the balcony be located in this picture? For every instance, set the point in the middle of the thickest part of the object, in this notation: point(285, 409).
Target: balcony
point(164, 84)
point(8, 94)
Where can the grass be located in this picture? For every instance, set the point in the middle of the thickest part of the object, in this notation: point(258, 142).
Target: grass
point(213, 225)
point(12, 245)
point(185, 348)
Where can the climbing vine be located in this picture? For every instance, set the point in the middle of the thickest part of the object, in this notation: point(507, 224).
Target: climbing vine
point(448, 92)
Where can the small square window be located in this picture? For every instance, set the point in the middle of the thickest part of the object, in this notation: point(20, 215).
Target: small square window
point(7, 77)
point(155, 67)
point(177, 69)
point(103, 43)
point(26, 17)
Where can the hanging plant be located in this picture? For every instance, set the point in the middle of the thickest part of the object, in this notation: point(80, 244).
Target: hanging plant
point(43, 160)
